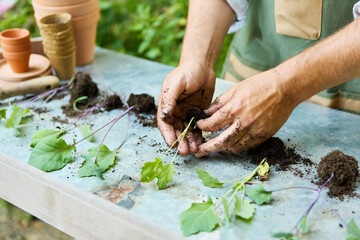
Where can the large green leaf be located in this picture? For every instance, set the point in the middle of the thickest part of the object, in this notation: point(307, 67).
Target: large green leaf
point(165, 176)
point(352, 231)
point(207, 179)
point(150, 170)
point(104, 161)
point(200, 217)
point(38, 135)
point(243, 208)
point(51, 153)
point(258, 194)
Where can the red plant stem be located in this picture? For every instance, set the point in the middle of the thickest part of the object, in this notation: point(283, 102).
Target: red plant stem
point(87, 112)
point(47, 93)
point(128, 125)
point(114, 121)
point(312, 205)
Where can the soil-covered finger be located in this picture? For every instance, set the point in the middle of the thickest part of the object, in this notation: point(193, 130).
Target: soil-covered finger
point(224, 141)
point(217, 121)
point(193, 146)
point(167, 131)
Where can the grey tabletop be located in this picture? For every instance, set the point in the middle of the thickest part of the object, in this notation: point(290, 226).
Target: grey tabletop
point(312, 129)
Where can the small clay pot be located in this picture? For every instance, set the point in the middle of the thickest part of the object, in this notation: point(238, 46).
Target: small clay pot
point(55, 22)
point(15, 48)
point(15, 40)
point(75, 10)
point(18, 61)
point(58, 2)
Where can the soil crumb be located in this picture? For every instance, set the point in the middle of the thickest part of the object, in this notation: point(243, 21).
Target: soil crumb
point(345, 169)
point(146, 110)
point(196, 114)
point(113, 102)
point(145, 103)
point(82, 85)
point(278, 155)
point(59, 120)
point(40, 110)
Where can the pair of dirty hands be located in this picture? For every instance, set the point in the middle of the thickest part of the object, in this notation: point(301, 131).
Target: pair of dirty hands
point(250, 111)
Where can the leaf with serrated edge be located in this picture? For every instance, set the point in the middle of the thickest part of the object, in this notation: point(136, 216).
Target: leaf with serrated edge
point(16, 115)
point(51, 153)
point(303, 224)
point(2, 113)
point(165, 176)
point(104, 161)
point(86, 131)
point(352, 231)
point(207, 179)
point(37, 136)
point(150, 170)
point(243, 208)
point(200, 217)
point(258, 194)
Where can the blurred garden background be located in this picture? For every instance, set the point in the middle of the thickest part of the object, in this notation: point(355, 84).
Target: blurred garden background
point(151, 29)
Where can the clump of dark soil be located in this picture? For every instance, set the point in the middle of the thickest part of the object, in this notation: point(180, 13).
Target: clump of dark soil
point(196, 114)
point(82, 85)
point(144, 102)
point(113, 102)
point(145, 105)
point(278, 155)
point(345, 169)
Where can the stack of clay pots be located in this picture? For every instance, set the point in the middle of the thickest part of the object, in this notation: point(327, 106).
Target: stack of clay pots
point(58, 42)
point(85, 15)
point(16, 48)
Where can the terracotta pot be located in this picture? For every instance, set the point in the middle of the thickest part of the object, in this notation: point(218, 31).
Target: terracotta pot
point(64, 66)
point(58, 2)
point(75, 10)
point(55, 22)
point(18, 61)
point(15, 36)
point(15, 48)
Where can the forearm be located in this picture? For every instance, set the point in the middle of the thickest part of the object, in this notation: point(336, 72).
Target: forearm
point(208, 23)
point(333, 61)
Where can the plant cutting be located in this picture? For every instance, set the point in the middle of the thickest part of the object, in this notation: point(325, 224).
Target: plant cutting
point(17, 118)
point(202, 217)
point(156, 169)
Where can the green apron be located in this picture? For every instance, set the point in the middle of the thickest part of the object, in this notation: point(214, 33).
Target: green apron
point(276, 30)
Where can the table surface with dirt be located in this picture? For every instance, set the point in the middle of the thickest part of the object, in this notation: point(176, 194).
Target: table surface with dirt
point(120, 207)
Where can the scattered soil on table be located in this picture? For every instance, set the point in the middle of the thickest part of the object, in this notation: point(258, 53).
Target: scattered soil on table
point(40, 110)
point(196, 114)
point(278, 155)
point(82, 85)
point(146, 105)
point(60, 120)
point(113, 102)
point(345, 169)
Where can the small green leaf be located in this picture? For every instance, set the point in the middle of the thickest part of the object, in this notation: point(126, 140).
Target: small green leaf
point(16, 119)
point(200, 217)
point(86, 131)
point(2, 113)
point(150, 170)
point(258, 194)
point(51, 153)
point(263, 169)
point(104, 161)
point(207, 179)
point(303, 224)
point(352, 231)
point(38, 135)
point(95, 169)
point(165, 176)
point(283, 235)
point(243, 208)
point(77, 100)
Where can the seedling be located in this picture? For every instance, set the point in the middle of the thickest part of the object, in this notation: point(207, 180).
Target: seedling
point(156, 169)
point(16, 119)
point(202, 217)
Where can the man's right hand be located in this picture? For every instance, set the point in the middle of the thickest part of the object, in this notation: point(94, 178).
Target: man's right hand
point(189, 86)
